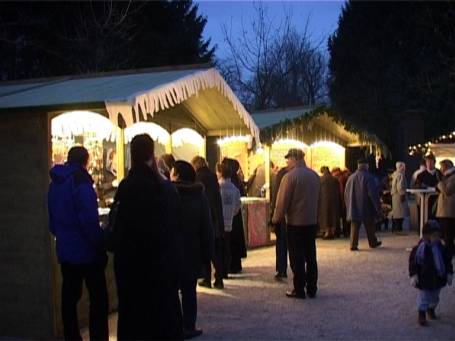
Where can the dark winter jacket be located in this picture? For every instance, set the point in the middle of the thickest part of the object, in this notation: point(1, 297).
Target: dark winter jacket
point(427, 273)
point(196, 227)
point(426, 179)
point(148, 257)
point(73, 215)
point(212, 192)
point(361, 196)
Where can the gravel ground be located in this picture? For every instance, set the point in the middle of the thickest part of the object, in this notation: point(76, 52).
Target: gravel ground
point(362, 295)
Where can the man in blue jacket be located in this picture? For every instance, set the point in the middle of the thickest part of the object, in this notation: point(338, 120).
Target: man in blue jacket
point(73, 220)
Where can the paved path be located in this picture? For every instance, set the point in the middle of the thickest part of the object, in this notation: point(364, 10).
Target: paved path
point(362, 295)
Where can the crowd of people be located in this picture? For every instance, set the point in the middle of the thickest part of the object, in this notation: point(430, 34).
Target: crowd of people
point(172, 220)
point(169, 222)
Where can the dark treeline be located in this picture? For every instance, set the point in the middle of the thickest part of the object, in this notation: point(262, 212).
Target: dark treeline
point(392, 62)
point(39, 39)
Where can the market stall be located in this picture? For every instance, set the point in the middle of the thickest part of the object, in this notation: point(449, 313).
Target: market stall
point(325, 139)
point(182, 109)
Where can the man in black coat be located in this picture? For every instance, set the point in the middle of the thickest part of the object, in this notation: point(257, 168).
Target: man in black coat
point(429, 178)
point(147, 250)
point(212, 192)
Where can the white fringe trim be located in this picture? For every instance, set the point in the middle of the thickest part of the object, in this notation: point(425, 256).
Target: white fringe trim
point(174, 93)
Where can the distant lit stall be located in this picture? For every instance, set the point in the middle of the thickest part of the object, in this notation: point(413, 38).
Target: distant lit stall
point(443, 147)
point(326, 139)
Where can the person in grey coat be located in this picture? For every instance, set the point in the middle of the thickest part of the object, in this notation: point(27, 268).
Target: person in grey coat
point(362, 204)
point(400, 207)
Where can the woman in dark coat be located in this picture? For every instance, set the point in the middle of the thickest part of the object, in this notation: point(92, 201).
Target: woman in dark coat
point(147, 250)
point(197, 239)
point(238, 247)
point(329, 205)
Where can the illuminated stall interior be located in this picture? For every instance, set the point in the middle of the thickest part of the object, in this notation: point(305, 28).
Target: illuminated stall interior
point(98, 135)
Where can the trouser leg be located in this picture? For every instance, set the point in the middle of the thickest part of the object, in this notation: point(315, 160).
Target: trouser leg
point(448, 234)
point(281, 249)
point(227, 252)
point(433, 298)
point(71, 294)
point(208, 271)
point(297, 258)
point(309, 249)
point(189, 304)
point(355, 225)
point(346, 225)
point(397, 224)
point(371, 233)
point(218, 260)
point(99, 306)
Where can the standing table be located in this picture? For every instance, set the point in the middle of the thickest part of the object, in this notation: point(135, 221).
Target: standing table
point(424, 195)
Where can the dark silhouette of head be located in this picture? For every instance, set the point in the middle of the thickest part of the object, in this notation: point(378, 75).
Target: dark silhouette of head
point(184, 171)
point(142, 150)
point(78, 155)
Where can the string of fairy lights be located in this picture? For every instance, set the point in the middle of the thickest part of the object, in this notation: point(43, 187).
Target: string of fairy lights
point(425, 148)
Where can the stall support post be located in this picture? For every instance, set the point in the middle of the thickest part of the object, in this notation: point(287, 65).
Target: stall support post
point(267, 171)
point(120, 146)
point(203, 148)
point(168, 147)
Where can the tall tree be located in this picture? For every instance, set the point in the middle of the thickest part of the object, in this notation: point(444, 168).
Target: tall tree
point(392, 58)
point(54, 38)
point(274, 65)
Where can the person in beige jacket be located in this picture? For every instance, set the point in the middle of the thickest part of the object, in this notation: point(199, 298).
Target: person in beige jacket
point(400, 207)
point(297, 204)
point(445, 212)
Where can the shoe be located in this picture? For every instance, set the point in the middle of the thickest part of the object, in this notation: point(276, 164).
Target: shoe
point(377, 244)
point(355, 248)
point(189, 334)
point(422, 318)
point(328, 237)
point(205, 284)
point(311, 294)
point(431, 314)
point(279, 276)
point(293, 294)
point(218, 285)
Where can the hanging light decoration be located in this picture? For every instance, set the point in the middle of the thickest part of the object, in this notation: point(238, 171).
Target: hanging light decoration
point(74, 123)
point(291, 143)
point(156, 132)
point(187, 136)
point(233, 139)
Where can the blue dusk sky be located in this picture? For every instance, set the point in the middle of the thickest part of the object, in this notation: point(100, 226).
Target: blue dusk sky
point(323, 18)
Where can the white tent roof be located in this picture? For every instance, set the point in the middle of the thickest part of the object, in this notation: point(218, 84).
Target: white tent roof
point(203, 93)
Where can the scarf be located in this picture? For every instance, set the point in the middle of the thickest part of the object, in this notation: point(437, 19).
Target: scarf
point(437, 257)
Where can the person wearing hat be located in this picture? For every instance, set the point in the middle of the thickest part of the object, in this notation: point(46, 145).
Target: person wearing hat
point(430, 269)
point(429, 178)
point(362, 204)
point(297, 204)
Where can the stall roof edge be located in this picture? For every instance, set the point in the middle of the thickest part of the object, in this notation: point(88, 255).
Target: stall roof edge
point(270, 117)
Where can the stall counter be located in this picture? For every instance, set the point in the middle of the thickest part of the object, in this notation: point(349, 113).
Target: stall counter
point(255, 212)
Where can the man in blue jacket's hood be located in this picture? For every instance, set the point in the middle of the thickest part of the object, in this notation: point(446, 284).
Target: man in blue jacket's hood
point(74, 221)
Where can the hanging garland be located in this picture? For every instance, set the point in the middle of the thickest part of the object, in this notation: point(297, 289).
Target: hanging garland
point(425, 148)
point(306, 122)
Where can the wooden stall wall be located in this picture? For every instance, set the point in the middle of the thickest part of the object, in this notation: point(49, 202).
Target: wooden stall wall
point(25, 281)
